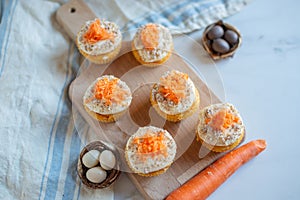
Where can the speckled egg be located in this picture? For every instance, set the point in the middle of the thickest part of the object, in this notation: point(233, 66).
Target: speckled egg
point(215, 32)
point(221, 46)
point(107, 160)
point(96, 175)
point(91, 158)
point(231, 37)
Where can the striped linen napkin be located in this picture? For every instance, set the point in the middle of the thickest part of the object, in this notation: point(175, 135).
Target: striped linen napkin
point(40, 142)
point(188, 15)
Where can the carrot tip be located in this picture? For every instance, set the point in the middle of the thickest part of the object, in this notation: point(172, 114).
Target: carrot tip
point(262, 144)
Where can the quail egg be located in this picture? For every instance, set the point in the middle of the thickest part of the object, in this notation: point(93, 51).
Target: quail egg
point(90, 159)
point(215, 32)
point(231, 37)
point(220, 45)
point(96, 175)
point(107, 160)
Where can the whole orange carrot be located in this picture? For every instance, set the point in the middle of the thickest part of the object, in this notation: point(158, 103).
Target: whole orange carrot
point(207, 181)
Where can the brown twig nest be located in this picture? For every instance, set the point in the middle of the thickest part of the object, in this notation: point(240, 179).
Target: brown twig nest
point(207, 41)
point(112, 175)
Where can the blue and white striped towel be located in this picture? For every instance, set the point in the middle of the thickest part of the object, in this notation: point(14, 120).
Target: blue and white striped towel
point(40, 143)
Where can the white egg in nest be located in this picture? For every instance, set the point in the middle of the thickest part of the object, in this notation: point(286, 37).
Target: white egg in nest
point(107, 160)
point(91, 158)
point(96, 175)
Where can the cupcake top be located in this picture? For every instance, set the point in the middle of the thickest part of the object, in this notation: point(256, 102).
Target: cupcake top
point(98, 37)
point(107, 95)
point(150, 149)
point(220, 124)
point(153, 42)
point(175, 93)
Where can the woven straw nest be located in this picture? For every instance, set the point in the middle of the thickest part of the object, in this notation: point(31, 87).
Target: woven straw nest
point(207, 43)
point(112, 175)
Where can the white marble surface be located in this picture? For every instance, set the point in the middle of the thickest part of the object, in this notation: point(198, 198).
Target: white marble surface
point(262, 80)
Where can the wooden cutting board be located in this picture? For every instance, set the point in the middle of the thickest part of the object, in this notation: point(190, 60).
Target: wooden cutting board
point(191, 158)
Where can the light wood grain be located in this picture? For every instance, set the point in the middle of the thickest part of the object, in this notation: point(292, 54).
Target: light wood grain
point(72, 15)
point(140, 80)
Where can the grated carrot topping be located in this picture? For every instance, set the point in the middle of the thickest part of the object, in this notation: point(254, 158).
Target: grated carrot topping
point(229, 120)
point(207, 120)
point(109, 91)
point(150, 36)
point(95, 33)
point(172, 86)
point(222, 120)
point(150, 144)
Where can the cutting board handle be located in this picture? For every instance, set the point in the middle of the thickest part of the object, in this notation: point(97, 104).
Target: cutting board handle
point(72, 15)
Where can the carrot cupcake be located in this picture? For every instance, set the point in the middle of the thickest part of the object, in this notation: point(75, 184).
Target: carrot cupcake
point(152, 45)
point(175, 97)
point(107, 98)
point(99, 41)
point(150, 151)
point(220, 127)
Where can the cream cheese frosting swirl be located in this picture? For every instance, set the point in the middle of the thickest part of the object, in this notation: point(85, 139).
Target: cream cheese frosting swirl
point(220, 124)
point(114, 95)
point(164, 44)
point(156, 160)
point(182, 89)
point(101, 46)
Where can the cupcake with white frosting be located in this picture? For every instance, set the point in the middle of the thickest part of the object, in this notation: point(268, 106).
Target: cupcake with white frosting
point(152, 44)
point(107, 98)
point(99, 41)
point(175, 96)
point(220, 127)
point(150, 151)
